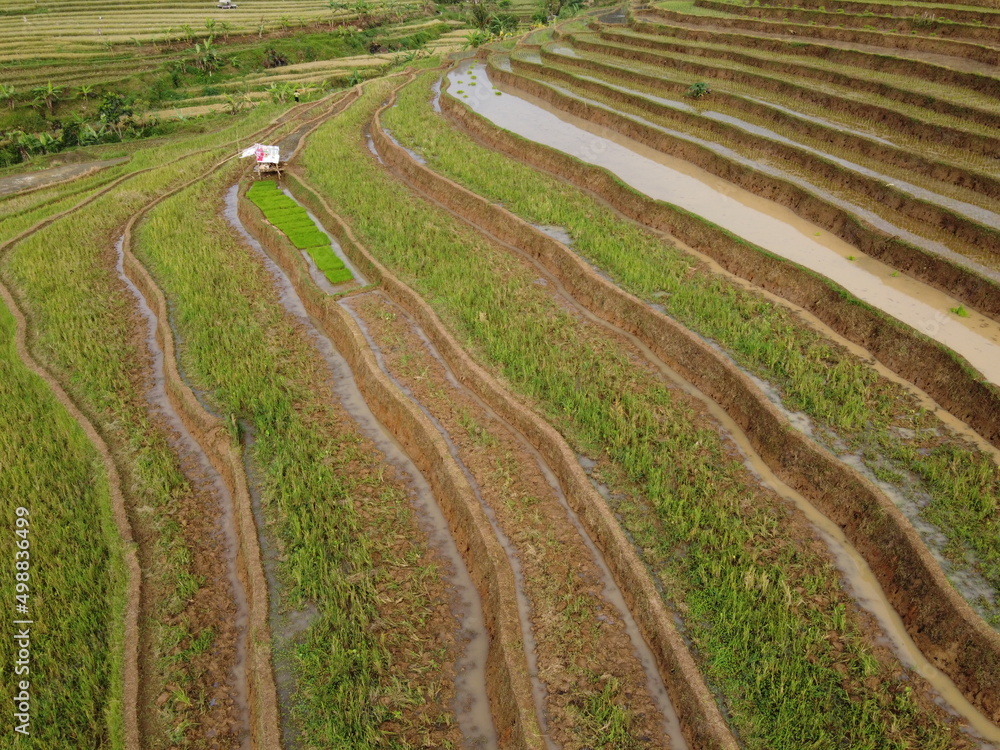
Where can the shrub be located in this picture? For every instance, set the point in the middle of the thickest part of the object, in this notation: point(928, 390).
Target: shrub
point(698, 90)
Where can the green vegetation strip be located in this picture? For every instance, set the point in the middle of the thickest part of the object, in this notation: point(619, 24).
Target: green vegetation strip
point(767, 615)
point(961, 103)
point(76, 577)
point(322, 493)
point(292, 219)
point(860, 411)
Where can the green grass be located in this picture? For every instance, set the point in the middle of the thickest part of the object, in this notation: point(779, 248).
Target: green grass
point(840, 392)
point(767, 616)
point(293, 220)
point(77, 574)
point(323, 490)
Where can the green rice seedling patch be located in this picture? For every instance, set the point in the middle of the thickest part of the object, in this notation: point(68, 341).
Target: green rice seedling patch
point(363, 662)
point(76, 574)
point(750, 591)
point(288, 216)
point(858, 410)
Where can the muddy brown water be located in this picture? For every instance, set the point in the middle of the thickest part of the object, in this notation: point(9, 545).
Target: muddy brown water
point(856, 573)
point(523, 605)
point(610, 589)
point(472, 707)
point(752, 217)
point(188, 447)
point(979, 258)
point(974, 212)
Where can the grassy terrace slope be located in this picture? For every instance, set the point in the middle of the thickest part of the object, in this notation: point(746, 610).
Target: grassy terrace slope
point(77, 575)
point(860, 410)
point(84, 333)
point(362, 676)
point(684, 492)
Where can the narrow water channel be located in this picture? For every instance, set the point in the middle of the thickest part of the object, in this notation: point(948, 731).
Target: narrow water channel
point(523, 605)
point(756, 219)
point(188, 447)
point(472, 707)
point(611, 591)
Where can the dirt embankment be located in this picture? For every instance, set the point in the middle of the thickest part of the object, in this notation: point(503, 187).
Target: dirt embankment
point(508, 684)
point(926, 101)
point(911, 161)
point(963, 284)
point(890, 118)
point(955, 39)
point(942, 623)
point(879, 192)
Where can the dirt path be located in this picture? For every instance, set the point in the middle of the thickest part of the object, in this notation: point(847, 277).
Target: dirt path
point(46, 177)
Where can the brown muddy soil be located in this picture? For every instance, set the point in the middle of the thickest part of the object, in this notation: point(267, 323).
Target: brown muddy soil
point(43, 178)
point(582, 647)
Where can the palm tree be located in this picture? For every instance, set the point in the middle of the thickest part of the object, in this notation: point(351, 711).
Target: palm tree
point(48, 93)
point(86, 91)
point(7, 92)
point(208, 59)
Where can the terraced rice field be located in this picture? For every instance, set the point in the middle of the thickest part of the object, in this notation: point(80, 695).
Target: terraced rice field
point(539, 404)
